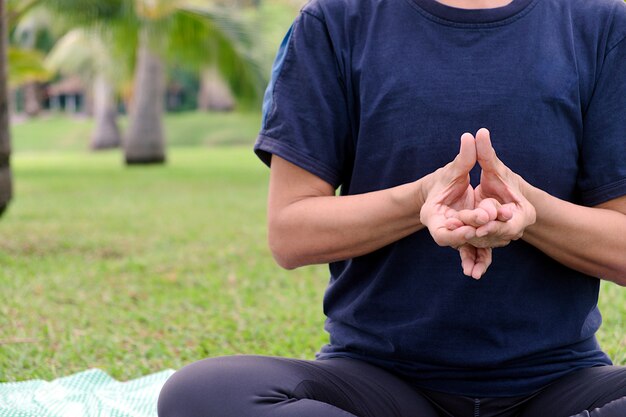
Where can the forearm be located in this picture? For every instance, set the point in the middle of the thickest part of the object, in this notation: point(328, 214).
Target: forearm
point(322, 229)
point(589, 240)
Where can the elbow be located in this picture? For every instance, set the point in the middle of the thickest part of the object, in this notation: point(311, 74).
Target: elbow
point(616, 273)
point(282, 250)
point(621, 281)
point(284, 260)
point(619, 277)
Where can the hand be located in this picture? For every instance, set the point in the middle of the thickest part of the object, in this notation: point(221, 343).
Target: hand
point(499, 194)
point(447, 194)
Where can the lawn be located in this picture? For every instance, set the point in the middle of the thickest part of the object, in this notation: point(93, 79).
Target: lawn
point(134, 270)
point(59, 133)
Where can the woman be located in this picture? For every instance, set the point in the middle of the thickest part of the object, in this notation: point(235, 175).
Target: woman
point(371, 96)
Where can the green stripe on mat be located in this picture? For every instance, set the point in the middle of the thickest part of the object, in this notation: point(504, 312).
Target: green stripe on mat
point(86, 394)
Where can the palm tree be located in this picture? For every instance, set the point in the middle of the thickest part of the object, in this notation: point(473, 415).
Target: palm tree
point(197, 36)
point(214, 94)
point(188, 32)
point(6, 188)
point(25, 37)
point(85, 53)
point(22, 63)
point(145, 141)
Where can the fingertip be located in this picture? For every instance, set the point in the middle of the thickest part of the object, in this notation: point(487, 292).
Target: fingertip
point(484, 149)
point(467, 152)
point(478, 271)
point(483, 132)
point(453, 224)
point(505, 213)
point(482, 232)
point(490, 206)
point(482, 217)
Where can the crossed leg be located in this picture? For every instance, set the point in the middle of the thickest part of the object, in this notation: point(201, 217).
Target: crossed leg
point(259, 386)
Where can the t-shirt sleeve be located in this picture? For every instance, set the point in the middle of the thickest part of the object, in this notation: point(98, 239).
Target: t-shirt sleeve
point(305, 116)
point(603, 153)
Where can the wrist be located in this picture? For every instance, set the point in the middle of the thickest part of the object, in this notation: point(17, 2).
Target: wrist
point(422, 188)
point(409, 198)
point(526, 189)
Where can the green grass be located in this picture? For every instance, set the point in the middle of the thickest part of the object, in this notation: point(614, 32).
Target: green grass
point(59, 133)
point(134, 270)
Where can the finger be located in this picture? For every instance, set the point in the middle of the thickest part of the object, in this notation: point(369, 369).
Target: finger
point(491, 206)
point(496, 210)
point(453, 238)
point(494, 227)
point(499, 228)
point(466, 159)
point(485, 154)
point(505, 212)
point(497, 233)
point(453, 223)
point(476, 217)
point(468, 258)
point(482, 262)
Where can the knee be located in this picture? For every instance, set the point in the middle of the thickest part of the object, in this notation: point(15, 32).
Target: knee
point(216, 387)
point(194, 388)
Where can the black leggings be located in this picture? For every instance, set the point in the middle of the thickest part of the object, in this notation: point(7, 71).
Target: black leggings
point(259, 386)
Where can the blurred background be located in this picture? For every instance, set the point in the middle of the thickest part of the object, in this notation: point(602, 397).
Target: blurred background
point(133, 234)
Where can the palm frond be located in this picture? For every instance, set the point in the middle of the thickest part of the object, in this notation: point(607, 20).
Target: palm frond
point(15, 9)
point(155, 9)
point(26, 65)
point(35, 29)
point(87, 11)
point(200, 37)
point(76, 53)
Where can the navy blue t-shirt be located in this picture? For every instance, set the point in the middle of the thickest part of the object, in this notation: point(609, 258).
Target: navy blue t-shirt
point(370, 94)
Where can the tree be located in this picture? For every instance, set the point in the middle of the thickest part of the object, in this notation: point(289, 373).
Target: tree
point(7, 15)
point(85, 53)
point(191, 33)
point(214, 94)
point(31, 36)
point(6, 187)
point(145, 141)
point(197, 36)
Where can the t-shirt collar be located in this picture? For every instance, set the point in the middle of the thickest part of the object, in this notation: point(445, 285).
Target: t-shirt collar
point(457, 15)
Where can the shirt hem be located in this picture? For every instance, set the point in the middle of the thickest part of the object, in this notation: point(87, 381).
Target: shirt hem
point(458, 386)
point(604, 193)
point(267, 146)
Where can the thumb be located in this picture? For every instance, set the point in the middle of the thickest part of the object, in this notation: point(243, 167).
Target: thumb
point(485, 153)
point(466, 159)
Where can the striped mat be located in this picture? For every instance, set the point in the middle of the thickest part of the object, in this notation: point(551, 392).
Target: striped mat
point(91, 393)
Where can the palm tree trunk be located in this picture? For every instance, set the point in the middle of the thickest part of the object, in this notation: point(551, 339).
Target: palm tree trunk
point(214, 94)
point(145, 143)
point(106, 133)
point(6, 189)
point(32, 101)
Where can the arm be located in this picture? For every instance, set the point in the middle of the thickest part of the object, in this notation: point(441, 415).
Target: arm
point(588, 239)
point(308, 224)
